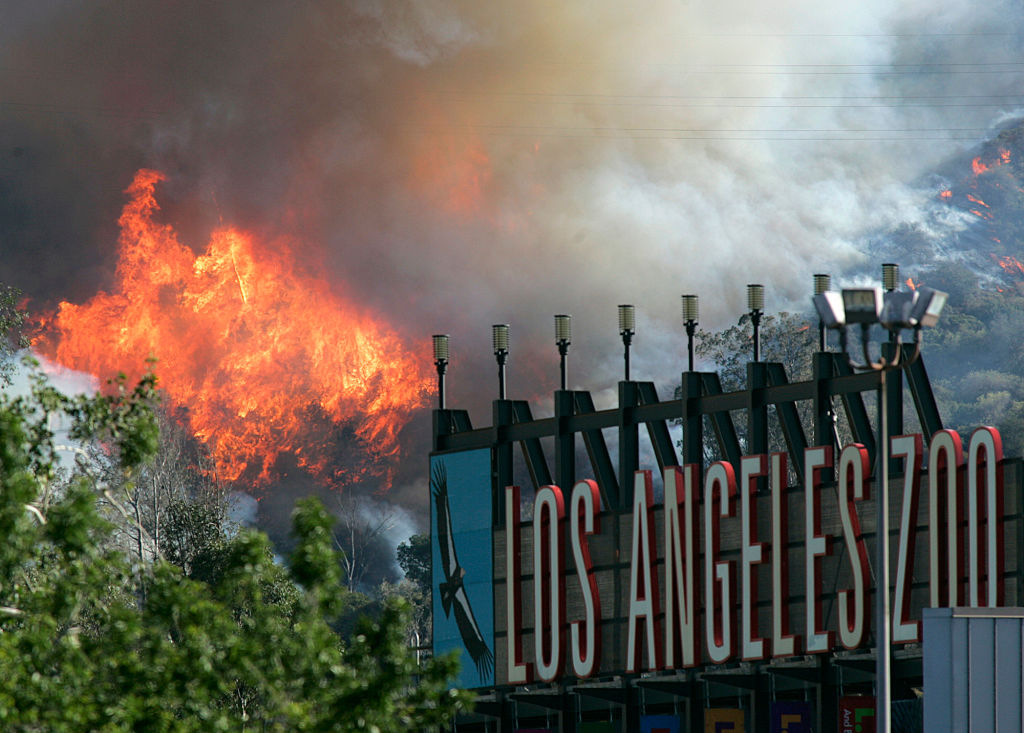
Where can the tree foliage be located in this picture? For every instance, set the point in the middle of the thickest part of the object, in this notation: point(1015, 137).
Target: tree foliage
point(94, 638)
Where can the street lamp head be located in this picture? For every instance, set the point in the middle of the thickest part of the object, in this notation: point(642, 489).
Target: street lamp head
point(890, 275)
point(755, 297)
point(928, 305)
point(499, 335)
point(862, 305)
point(440, 347)
point(691, 308)
point(563, 329)
point(627, 320)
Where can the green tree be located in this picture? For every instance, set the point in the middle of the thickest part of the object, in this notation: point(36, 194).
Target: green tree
point(414, 559)
point(94, 638)
point(12, 324)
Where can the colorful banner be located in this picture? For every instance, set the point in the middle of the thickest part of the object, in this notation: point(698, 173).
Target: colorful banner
point(723, 720)
point(659, 724)
point(460, 546)
point(857, 714)
point(791, 717)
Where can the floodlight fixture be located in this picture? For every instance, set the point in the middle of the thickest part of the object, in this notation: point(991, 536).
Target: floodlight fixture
point(691, 314)
point(499, 337)
point(627, 329)
point(928, 305)
point(896, 310)
point(862, 305)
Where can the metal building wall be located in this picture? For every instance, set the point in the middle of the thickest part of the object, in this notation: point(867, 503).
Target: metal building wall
point(972, 670)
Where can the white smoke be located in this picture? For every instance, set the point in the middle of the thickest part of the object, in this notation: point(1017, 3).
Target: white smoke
point(456, 164)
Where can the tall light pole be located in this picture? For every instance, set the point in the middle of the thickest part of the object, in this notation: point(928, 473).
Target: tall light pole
point(441, 364)
point(895, 311)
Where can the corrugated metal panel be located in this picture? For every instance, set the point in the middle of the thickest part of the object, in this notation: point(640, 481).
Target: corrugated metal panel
point(972, 670)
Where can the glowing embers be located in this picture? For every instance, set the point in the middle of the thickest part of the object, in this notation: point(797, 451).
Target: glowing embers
point(262, 357)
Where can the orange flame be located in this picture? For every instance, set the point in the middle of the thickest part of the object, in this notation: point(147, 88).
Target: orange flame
point(947, 194)
point(263, 357)
point(911, 284)
point(976, 200)
point(1010, 264)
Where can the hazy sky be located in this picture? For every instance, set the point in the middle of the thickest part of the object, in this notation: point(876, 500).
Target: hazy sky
point(456, 164)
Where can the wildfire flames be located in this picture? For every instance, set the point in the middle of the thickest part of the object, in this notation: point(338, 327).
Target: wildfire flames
point(262, 357)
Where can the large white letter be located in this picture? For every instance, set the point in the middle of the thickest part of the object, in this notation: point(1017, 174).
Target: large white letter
point(720, 488)
point(751, 554)
point(988, 443)
point(816, 545)
point(584, 520)
point(518, 670)
point(946, 456)
point(549, 582)
point(783, 642)
point(681, 501)
point(643, 603)
point(903, 629)
point(853, 606)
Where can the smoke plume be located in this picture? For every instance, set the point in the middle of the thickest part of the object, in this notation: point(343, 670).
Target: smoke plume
point(452, 164)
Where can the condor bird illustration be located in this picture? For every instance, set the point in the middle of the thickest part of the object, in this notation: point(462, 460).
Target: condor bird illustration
point(453, 591)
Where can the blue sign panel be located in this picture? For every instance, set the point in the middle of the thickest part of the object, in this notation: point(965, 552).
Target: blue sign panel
point(791, 717)
point(460, 531)
point(659, 724)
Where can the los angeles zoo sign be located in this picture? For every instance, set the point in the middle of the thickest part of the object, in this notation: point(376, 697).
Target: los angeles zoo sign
point(734, 564)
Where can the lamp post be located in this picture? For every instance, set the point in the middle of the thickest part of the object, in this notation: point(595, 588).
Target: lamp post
point(755, 304)
point(691, 314)
point(499, 336)
point(563, 337)
point(441, 363)
point(822, 283)
point(627, 328)
point(895, 311)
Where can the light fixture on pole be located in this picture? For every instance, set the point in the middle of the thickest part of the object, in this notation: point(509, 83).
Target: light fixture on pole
point(691, 314)
point(755, 304)
point(441, 362)
point(499, 335)
point(822, 283)
point(563, 337)
point(895, 311)
point(627, 328)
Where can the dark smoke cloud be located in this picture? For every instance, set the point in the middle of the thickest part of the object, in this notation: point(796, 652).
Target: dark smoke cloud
point(455, 164)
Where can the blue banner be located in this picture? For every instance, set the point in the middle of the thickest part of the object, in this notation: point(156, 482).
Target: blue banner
point(791, 717)
point(460, 545)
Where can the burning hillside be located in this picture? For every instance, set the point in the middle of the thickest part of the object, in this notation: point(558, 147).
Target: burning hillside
point(258, 355)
